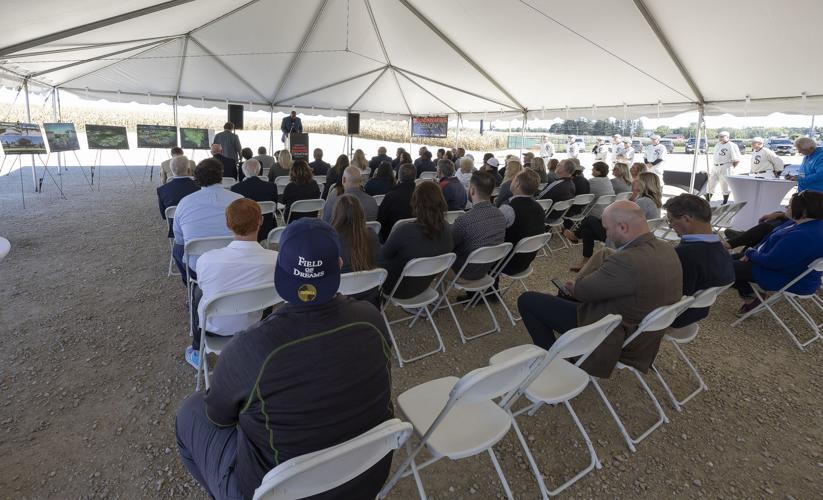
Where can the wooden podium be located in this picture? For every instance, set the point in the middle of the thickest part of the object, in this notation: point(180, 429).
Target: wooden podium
point(299, 146)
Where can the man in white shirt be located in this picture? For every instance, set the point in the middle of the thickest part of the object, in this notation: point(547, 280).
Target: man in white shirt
point(601, 151)
point(243, 264)
point(202, 213)
point(618, 151)
point(546, 149)
point(655, 155)
point(626, 152)
point(764, 159)
point(726, 157)
point(572, 148)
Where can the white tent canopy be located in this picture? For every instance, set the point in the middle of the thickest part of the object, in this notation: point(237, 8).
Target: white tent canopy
point(547, 58)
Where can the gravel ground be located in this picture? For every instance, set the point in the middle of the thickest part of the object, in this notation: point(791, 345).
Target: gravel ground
point(91, 372)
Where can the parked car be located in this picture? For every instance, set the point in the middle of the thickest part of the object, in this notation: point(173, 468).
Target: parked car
point(668, 143)
point(740, 145)
point(690, 145)
point(580, 142)
point(782, 146)
point(637, 145)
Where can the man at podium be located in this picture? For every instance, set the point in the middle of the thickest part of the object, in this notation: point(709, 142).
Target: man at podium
point(290, 125)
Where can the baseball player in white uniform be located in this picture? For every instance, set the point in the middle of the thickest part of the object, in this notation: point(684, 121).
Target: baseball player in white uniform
point(726, 157)
point(546, 149)
point(618, 151)
point(572, 148)
point(764, 159)
point(601, 151)
point(628, 152)
point(655, 155)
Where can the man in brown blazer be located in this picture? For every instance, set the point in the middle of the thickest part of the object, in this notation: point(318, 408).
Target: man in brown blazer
point(640, 276)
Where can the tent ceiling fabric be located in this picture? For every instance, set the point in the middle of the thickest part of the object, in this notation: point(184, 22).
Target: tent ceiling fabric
point(427, 56)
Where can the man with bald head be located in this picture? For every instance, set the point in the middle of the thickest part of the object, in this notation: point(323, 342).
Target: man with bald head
point(229, 165)
point(352, 186)
point(642, 274)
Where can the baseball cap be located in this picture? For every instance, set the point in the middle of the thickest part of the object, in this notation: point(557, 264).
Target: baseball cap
point(723, 134)
point(492, 162)
point(655, 137)
point(758, 139)
point(308, 270)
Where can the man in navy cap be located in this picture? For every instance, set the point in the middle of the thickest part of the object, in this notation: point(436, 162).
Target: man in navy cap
point(314, 374)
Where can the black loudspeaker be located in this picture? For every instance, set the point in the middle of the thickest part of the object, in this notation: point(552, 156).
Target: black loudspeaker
point(236, 115)
point(353, 123)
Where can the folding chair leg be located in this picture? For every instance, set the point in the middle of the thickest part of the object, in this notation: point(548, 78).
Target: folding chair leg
point(401, 472)
point(199, 373)
point(500, 474)
point(630, 441)
point(809, 320)
point(678, 404)
point(204, 360)
point(626, 437)
point(441, 347)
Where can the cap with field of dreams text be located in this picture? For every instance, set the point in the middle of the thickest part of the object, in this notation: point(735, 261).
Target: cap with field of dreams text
point(308, 269)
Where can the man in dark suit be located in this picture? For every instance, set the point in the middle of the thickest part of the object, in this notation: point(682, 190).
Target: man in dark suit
point(318, 166)
point(290, 125)
point(229, 165)
point(396, 204)
point(180, 185)
point(377, 160)
point(562, 189)
point(255, 188)
point(643, 274)
point(229, 142)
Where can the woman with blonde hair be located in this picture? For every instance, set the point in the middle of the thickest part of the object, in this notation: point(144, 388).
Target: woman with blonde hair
point(359, 160)
point(513, 167)
point(648, 194)
point(539, 166)
point(636, 169)
point(283, 166)
point(621, 178)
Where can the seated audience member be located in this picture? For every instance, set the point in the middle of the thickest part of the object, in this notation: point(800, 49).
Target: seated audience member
point(705, 262)
point(257, 189)
point(786, 253)
point(642, 275)
point(552, 175)
point(484, 225)
point(810, 175)
point(524, 218)
point(351, 185)
point(489, 166)
point(539, 166)
point(425, 163)
point(266, 161)
point(513, 168)
point(229, 165)
point(318, 166)
point(621, 178)
point(283, 166)
point(453, 192)
point(466, 171)
point(420, 153)
point(242, 264)
point(441, 153)
point(358, 160)
point(397, 203)
point(599, 183)
point(581, 184)
point(753, 236)
point(636, 169)
point(590, 228)
point(264, 407)
point(528, 157)
point(399, 159)
point(245, 155)
point(562, 189)
point(334, 177)
point(382, 181)
point(166, 172)
point(180, 185)
point(301, 187)
point(427, 236)
point(648, 194)
point(202, 213)
point(359, 245)
point(377, 160)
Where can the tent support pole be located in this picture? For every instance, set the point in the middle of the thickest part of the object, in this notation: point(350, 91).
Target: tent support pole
point(271, 130)
point(457, 135)
point(176, 118)
point(523, 132)
point(28, 119)
point(55, 116)
point(697, 148)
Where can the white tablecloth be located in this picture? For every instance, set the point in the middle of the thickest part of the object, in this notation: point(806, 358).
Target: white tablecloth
point(763, 196)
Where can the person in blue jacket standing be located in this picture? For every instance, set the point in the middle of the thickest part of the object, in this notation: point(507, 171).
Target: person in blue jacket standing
point(786, 253)
point(810, 175)
point(290, 125)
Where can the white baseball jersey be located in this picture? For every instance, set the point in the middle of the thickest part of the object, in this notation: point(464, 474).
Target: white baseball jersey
point(628, 154)
point(602, 153)
point(726, 153)
point(572, 149)
point(654, 153)
point(618, 151)
point(765, 160)
point(546, 150)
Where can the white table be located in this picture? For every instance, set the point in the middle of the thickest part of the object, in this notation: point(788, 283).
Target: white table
point(5, 246)
point(762, 196)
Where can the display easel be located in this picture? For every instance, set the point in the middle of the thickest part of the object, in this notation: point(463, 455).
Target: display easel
point(14, 162)
point(150, 159)
point(97, 165)
point(47, 171)
point(83, 170)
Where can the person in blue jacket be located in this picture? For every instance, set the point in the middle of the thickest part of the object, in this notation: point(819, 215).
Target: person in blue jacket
point(810, 175)
point(786, 252)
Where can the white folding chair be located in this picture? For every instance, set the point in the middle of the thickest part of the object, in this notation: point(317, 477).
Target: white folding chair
point(584, 202)
point(320, 180)
point(530, 244)
point(452, 215)
point(718, 213)
point(267, 207)
point(401, 222)
point(235, 302)
point(490, 255)
point(263, 177)
point(423, 267)
point(306, 206)
point(559, 381)
point(419, 180)
point(229, 182)
point(281, 182)
point(546, 205)
point(274, 237)
point(378, 198)
point(725, 221)
point(542, 186)
point(361, 281)
point(169, 218)
point(428, 175)
point(657, 320)
point(198, 246)
point(324, 470)
point(374, 226)
point(457, 418)
point(794, 300)
point(5, 248)
point(561, 208)
point(625, 196)
point(685, 335)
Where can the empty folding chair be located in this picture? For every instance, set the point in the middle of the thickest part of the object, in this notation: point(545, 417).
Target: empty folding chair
point(424, 267)
point(559, 381)
point(306, 206)
point(236, 302)
point(273, 239)
point(527, 245)
point(582, 205)
point(623, 196)
point(378, 198)
point(229, 182)
point(197, 247)
point(686, 335)
point(452, 215)
point(361, 281)
point(489, 255)
point(657, 320)
point(428, 175)
point(794, 300)
point(555, 225)
point(169, 219)
point(718, 213)
point(374, 226)
point(726, 220)
point(324, 470)
point(457, 418)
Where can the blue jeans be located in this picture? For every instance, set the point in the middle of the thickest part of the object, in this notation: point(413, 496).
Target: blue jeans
point(543, 315)
point(209, 452)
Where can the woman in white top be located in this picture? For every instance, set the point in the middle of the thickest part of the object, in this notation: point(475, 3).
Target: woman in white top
point(464, 175)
